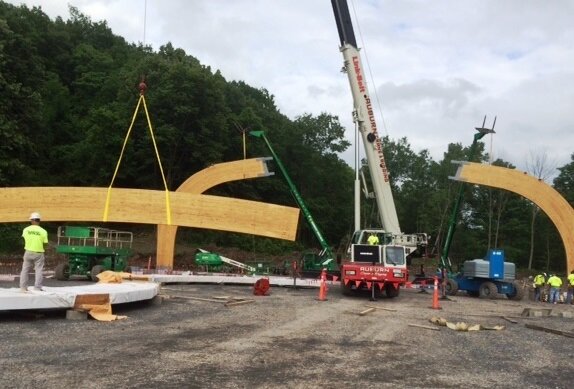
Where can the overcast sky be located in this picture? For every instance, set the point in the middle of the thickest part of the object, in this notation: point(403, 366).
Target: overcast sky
point(437, 66)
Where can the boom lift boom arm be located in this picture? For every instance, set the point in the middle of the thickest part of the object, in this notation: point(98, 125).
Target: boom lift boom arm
point(444, 260)
point(326, 254)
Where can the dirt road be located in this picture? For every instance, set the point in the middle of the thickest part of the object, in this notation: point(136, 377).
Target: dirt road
point(287, 339)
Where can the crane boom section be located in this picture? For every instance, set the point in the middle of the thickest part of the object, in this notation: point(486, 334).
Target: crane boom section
point(365, 117)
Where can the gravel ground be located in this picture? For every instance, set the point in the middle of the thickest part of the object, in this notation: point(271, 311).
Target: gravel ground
point(287, 339)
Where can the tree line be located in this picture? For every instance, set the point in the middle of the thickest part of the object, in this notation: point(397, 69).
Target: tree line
point(68, 90)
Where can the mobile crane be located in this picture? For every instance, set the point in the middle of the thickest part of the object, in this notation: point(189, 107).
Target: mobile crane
point(383, 265)
point(311, 262)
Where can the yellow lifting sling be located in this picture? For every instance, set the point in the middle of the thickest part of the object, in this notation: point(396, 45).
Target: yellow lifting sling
point(142, 87)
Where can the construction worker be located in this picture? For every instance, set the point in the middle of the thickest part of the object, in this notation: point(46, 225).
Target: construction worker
point(570, 284)
point(555, 283)
point(34, 239)
point(373, 239)
point(539, 282)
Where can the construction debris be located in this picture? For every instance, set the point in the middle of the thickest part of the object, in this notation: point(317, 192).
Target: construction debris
point(536, 312)
point(233, 303)
point(425, 327)
point(462, 326)
point(227, 300)
point(550, 330)
point(366, 311)
point(509, 319)
point(384, 309)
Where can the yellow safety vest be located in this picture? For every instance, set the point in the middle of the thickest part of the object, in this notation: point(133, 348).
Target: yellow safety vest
point(373, 239)
point(571, 279)
point(539, 280)
point(555, 282)
point(34, 238)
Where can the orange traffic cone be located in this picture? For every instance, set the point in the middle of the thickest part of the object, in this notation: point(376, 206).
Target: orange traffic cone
point(435, 304)
point(323, 286)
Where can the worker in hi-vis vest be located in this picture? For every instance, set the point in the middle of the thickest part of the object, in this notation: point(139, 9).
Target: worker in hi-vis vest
point(570, 291)
point(35, 237)
point(555, 283)
point(373, 239)
point(539, 282)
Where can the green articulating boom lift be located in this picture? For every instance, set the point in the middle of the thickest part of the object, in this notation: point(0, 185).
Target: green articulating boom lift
point(484, 278)
point(312, 262)
point(445, 263)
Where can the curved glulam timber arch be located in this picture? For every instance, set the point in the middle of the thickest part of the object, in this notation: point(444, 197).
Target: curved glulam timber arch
point(149, 206)
point(535, 190)
point(200, 182)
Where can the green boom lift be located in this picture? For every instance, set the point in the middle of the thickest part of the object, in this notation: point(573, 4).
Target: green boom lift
point(311, 261)
point(444, 259)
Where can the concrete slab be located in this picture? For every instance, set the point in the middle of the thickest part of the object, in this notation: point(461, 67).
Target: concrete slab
point(64, 297)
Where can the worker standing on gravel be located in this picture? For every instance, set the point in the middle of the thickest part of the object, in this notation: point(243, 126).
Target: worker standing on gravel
point(555, 283)
point(34, 239)
point(570, 291)
point(539, 282)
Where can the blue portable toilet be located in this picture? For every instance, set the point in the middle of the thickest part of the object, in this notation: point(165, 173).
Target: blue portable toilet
point(496, 259)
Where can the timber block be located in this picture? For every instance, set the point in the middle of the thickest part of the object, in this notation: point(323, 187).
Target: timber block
point(568, 314)
point(536, 312)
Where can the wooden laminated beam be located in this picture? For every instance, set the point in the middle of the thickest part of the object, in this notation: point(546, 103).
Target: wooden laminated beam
point(198, 183)
point(535, 190)
point(149, 207)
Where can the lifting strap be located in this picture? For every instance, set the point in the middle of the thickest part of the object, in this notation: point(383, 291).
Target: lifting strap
point(167, 202)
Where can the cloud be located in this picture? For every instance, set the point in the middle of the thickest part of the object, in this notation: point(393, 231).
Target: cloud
point(447, 98)
point(438, 67)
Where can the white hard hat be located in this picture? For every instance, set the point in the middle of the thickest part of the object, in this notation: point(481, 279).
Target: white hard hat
point(35, 215)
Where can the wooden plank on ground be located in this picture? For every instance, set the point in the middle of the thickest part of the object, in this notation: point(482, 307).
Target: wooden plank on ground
point(198, 299)
point(384, 309)
point(366, 311)
point(550, 330)
point(240, 302)
point(425, 327)
point(509, 319)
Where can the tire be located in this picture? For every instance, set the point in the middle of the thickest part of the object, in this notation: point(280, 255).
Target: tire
point(95, 271)
point(62, 271)
point(518, 292)
point(487, 290)
point(346, 289)
point(391, 291)
point(451, 287)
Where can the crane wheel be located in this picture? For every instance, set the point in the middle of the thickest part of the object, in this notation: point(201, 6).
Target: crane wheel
point(391, 290)
point(346, 290)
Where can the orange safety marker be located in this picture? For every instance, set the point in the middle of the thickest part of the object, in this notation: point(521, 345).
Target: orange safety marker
point(323, 286)
point(435, 303)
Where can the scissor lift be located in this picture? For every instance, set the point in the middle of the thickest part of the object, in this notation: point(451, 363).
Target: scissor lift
point(91, 250)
